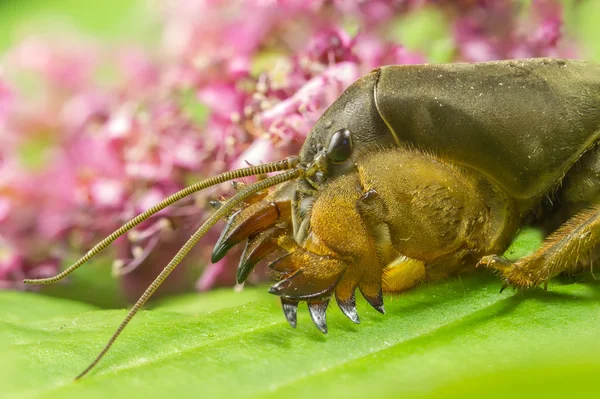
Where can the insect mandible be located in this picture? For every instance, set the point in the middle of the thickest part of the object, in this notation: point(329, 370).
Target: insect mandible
point(416, 172)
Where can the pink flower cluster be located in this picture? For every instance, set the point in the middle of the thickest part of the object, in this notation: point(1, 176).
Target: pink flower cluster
point(231, 82)
point(495, 31)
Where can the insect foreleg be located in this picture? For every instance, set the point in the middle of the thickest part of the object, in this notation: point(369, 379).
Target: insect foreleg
point(402, 218)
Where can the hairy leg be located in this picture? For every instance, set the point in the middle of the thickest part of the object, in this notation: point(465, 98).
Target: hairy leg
point(568, 249)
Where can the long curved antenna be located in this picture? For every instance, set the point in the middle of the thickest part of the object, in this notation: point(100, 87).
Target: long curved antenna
point(187, 247)
point(276, 166)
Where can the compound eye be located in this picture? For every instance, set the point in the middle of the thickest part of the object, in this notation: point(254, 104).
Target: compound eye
point(340, 146)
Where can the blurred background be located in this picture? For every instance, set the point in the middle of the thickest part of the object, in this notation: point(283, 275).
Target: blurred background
point(108, 107)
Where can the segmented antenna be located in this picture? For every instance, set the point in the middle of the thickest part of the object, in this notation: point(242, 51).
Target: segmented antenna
point(276, 166)
point(187, 247)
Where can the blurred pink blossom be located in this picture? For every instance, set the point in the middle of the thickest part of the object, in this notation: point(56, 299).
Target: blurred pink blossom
point(68, 64)
point(257, 85)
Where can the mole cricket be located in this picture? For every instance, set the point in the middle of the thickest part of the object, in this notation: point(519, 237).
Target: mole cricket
point(413, 174)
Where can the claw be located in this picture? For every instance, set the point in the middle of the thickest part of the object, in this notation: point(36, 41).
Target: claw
point(256, 249)
point(250, 221)
point(275, 289)
point(317, 311)
point(285, 287)
point(221, 247)
point(494, 262)
point(290, 309)
point(504, 286)
point(346, 298)
point(348, 307)
point(374, 300)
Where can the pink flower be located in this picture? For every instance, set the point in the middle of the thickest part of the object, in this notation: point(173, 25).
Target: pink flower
point(330, 46)
point(490, 30)
point(260, 151)
point(68, 65)
point(260, 74)
point(222, 98)
point(211, 275)
point(6, 101)
point(377, 11)
point(138, 70)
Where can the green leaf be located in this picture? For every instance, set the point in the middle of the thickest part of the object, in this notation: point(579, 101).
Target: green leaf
point(585, 25)
point(526, 241)
point(93, 284)
point(108, 19)
point(457, 338)
point(193, 109)
point(426, 30)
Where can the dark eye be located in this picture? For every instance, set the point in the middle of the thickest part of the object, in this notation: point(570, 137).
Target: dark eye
point(340, 146)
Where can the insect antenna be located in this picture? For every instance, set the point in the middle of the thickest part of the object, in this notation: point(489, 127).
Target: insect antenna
point(276, 166)
point(214, 218)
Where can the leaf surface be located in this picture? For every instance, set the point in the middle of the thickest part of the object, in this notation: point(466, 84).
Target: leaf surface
point(456, 338)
